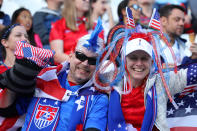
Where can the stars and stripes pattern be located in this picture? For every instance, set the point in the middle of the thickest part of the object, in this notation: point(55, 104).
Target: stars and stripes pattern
point(155, 20)
point(38, 55)
point(185, 116)
point(130, 20)
point(192, 75)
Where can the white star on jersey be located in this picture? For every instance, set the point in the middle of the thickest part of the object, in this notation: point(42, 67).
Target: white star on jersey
point(80, 103)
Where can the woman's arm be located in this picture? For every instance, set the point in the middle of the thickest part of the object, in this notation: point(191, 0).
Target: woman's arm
point(57, 46)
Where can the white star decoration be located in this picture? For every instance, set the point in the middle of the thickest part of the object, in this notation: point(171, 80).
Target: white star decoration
point(192, 95)
point(170, 111)
point(92, 89)
point(150, 94)
point(181, 103)
point(80, 103)
point(45, 100)
point(188, 109)
point(119, 125)
point(56, 102)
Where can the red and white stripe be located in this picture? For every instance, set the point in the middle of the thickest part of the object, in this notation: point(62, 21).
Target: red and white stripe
point(48, 85)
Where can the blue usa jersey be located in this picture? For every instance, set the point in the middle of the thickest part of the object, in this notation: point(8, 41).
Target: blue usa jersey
point(88, 109)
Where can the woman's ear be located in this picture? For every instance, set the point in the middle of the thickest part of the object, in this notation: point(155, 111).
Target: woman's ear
point(123, 11)
point(4, 43)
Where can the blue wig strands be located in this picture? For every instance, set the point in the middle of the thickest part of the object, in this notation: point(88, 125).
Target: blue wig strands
point(94, 37)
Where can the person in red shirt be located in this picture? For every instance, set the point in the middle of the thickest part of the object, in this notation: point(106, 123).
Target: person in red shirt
point(66, 31)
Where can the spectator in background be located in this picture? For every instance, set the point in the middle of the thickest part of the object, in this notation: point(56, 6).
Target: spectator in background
point(23, 16)
point(98, 8)
point(172, 22)
point(43, 19)
point(9, 36)
point(66, 31)
point(146, 13)
point(136, 10)
point(4, 18)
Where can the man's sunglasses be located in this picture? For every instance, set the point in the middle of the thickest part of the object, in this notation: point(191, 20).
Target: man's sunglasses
point(136, 7)
point(82, 57)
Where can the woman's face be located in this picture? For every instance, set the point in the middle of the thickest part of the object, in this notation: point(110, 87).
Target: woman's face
point(25, 19)
point(18, 33)
point(138, 64)
point(100, 7)
point(82, 5)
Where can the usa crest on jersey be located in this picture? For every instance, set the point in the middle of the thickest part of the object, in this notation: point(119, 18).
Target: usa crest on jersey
point(46, 114)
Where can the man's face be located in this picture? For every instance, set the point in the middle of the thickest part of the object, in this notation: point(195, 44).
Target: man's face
point(174, 24)
point(81, 70)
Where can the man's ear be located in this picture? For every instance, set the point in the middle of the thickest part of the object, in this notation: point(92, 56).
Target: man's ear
point(163, 20)
point(70, 56)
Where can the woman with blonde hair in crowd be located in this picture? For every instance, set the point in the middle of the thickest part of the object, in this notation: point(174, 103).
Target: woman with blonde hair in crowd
point(66, 31)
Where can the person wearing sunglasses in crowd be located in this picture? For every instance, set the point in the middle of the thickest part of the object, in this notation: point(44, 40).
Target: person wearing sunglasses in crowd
point(65, 98)
point(136, 10)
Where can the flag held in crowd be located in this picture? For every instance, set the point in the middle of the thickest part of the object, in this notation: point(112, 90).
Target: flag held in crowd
point(38, 55)
point(130, 20)
point(155, 20)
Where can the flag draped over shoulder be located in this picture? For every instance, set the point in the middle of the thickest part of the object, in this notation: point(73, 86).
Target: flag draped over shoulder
point(155, 20)
point(130, 20)
point(184, 118)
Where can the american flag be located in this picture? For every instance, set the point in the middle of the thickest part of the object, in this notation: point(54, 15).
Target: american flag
point(130, 20)
point(38, 55)
point(155, 22)
point(185, 117)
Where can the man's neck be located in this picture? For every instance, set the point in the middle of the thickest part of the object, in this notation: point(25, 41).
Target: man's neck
point(172, 41)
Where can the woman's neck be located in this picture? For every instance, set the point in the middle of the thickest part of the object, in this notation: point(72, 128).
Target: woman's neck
point(136, 83)
point(10, 58)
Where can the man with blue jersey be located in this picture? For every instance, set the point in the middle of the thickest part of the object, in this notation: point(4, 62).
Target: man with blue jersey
point(65, 97)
